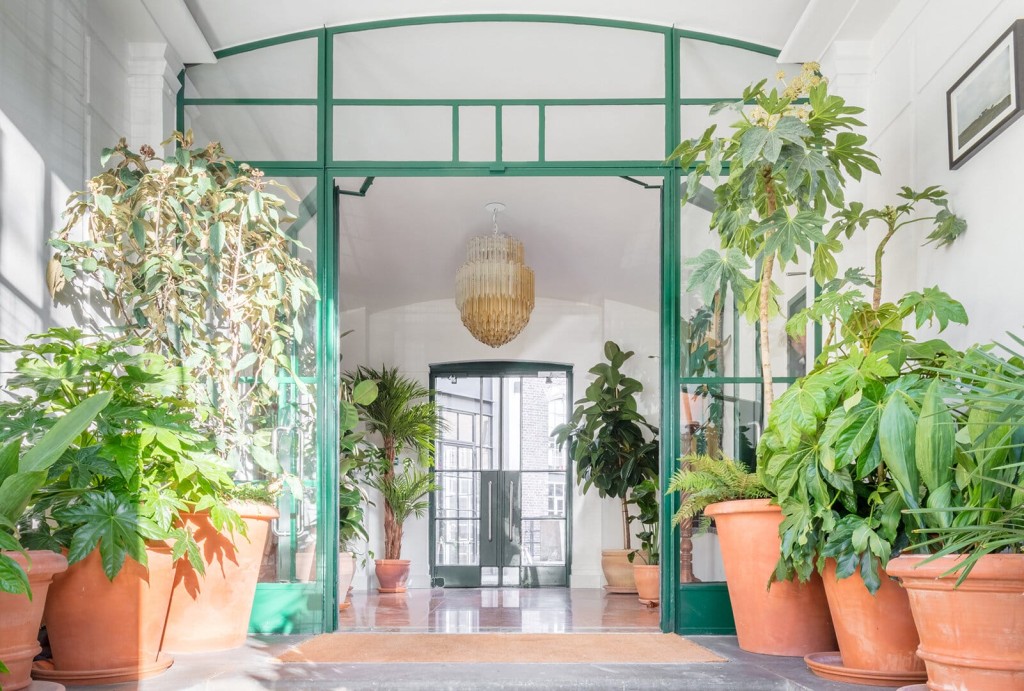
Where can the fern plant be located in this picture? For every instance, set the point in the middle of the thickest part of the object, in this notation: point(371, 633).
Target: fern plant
point(703, 480)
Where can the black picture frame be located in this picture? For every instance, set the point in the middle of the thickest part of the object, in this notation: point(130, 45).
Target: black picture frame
point(990, 95)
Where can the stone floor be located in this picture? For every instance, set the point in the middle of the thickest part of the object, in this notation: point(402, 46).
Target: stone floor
point(255, 666)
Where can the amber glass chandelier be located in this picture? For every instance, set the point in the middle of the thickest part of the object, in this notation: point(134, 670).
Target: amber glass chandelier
point(494, 288)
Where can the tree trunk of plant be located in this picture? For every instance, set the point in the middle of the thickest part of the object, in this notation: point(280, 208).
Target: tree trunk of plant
point(627, 541)
point(763, 304)
point(392, 534)
point(876, 298)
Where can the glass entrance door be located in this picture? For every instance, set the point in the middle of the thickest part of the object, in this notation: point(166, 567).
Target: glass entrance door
point(500, 513)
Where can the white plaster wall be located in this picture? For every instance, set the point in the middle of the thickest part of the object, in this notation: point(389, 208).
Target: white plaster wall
point(414, 336)
point(919, 53)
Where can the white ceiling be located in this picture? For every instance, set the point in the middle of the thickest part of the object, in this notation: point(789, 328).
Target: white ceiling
point(587, 239)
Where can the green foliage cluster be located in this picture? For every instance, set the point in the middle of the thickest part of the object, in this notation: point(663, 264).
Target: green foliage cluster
point(645, 497)
point(354, 451)
point(612, 445)
point(194, 256)
point(702, 480)
point(127, 477)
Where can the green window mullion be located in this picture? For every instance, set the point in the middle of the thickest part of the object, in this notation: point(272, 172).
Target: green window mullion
point(324, 87)
point(497, 134)
point(455, 134)
point(541, 133)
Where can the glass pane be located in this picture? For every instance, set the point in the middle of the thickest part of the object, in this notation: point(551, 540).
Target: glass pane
point(520, 133)
point(458, 543)
point(543, 495)
point(499, 60)
point(392, 133)
point(589, 133)
point(477, 130)
point(458, 495)
point(466, 421)
point(257, 133)
point(287, 70)
point(543, 542)
point(711, 70)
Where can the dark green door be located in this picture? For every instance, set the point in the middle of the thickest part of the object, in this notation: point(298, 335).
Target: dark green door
point(499, 515)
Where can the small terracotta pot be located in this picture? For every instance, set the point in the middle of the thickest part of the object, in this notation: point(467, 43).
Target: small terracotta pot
point(618, 571)
point(790, 618)
point(875, 632)
point(346, 572)
point(392, 574)
point(211, 612)
point(103, 631)
point(20, 617)
point(648, 582)
point(972, 637)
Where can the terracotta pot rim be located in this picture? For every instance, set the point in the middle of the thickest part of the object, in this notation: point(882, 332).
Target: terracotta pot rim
point(392, 561)
point(736, 506)
point(645, 567)
point(245, 509)
point(997, 567)
point(44, 561)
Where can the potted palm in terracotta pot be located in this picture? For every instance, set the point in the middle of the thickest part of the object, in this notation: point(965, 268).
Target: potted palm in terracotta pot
point(967, 587)
point(829, 451)
point(25, 576)
point(113, 501)
point(614, 449)
point(403, 418)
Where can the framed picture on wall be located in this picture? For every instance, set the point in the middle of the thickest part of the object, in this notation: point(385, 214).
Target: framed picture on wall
point(987, 98)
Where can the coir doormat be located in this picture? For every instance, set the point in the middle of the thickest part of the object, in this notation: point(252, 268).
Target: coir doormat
point(499, 647)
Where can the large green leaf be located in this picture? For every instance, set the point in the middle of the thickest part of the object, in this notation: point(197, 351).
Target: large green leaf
point(59, 437)
point(713, 271)
point(12, 577)
point(107, 521)
point(934, 304)
point(935, 438)
point(784, 234)
point(897, 432)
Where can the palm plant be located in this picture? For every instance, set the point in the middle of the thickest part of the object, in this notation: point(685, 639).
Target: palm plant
point(703, 480)
point(404, 419)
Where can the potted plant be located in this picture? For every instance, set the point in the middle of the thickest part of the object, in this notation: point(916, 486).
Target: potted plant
point(614, 448)
point(403, 418)
point(25, 576)
point(967, 596)
point(351, 497)
point(831, 438)
point(193, 256)
point(647, 560)
point(790, 617)
point(787, 158)
point(113, 500)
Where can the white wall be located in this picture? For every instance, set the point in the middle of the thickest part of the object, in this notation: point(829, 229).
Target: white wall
point(919, 53)
point(413, 337)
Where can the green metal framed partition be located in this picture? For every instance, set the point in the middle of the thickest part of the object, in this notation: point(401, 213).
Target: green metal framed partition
point(693, 608)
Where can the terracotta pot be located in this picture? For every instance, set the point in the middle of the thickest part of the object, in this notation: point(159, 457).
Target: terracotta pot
point(875, 632)
point(648, 583)
point(972, 637)
point(103, 631)
point(790, 618)
point(211, 612)
point(346, 572)
point(392, 574)
point(20, 617)
point(618, 571)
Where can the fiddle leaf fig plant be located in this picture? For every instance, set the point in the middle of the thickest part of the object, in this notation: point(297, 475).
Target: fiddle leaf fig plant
point(194, 257)
point(776, 175)
point(613, 446)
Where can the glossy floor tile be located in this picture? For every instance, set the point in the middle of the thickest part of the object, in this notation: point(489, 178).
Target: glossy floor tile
point(471, 610)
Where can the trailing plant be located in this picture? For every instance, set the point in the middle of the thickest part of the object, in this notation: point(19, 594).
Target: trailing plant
point(785, 162)
point(404, 419)
point(23, 474)
point(127, 478)
point(703, 480)
point(354, 454)
point(645, 498)
point(831, 447)
point(195, 259)
point(613, 446)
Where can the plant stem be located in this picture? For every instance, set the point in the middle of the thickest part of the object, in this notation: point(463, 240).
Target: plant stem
point(876, 299)
point(764, 301)
point(626, 538)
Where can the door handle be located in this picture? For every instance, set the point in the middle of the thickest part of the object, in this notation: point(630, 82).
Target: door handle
point(511, 506)
point(490, 511)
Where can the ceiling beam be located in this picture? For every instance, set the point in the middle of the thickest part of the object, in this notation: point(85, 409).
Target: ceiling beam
point(174, 20)
point(817, 28)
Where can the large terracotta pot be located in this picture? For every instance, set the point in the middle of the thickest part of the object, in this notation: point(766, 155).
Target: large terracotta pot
point(618, 571)
point(103, 631)
point(790, 618)
point(20, 617)
point(346, 573)
point(211, 612)
point(875, 632)
point(972, 637)
point(648, 583)
point(392, 574)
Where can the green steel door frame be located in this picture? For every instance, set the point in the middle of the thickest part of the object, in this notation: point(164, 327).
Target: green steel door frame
point(325, 169)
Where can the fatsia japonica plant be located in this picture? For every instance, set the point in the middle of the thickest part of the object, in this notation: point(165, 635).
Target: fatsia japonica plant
point(194, 255)
point(862, 437)
point(785, 164)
